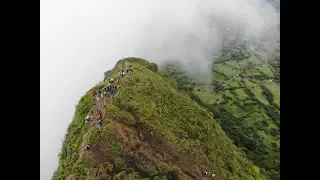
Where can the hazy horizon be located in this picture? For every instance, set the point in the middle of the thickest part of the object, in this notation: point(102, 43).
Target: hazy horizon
point(80, 40)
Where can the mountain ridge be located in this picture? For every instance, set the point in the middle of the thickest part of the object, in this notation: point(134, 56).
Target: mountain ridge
point(186, 140)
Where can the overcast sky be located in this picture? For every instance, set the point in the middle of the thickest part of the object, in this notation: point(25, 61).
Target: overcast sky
point(81, 39)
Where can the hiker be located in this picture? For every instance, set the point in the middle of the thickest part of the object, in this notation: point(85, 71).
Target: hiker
point(99, 114)
point(87, 147)
point(105, 102)
point(87, 118)
point(94, 95)
point(99, 124)
point(131, 70)
point(151, 133)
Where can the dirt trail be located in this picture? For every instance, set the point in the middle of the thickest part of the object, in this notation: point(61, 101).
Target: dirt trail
point(148, 155)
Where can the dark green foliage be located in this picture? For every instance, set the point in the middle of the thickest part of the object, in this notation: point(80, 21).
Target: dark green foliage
point(163, 168)
point(235, 129)
point(274, 132)
point(175, 173)
point(273, 114)
point(218, 86)
point(119, 163)
point(153, 67)
point(195, 98)
point(151, 170)
point(92, 138)
point(268, 94)
point(247, 91)
point(122, 116)
point(181, 80)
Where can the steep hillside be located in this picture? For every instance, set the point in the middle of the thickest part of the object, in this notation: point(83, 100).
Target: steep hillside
point(244, 97)
point(150, 130)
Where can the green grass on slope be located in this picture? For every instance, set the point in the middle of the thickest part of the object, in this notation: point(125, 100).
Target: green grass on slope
point(232, 84)
point(147, 99)
point(249, 123)
point(73, 138)
point(265, 68)
point(227, 70)
point(256, 90)
point(248, 109)
point(206, 93)
point(275, 90)
point(183, 123)
point(217, 76)
point(251, 72)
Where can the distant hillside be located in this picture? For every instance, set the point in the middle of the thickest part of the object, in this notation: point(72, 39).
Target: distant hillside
point(152, 129)
point(244, 97)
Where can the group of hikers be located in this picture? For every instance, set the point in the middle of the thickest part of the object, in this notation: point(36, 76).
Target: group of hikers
point(122, 71)
point(102, 93)
point(112, 88)
point(209, 174)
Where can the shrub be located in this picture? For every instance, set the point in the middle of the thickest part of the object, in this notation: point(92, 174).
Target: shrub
point(92, 137)
point(120, 164)
point(153, 67)
point(163, 168)
point(119, 115)
point(151, 170)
